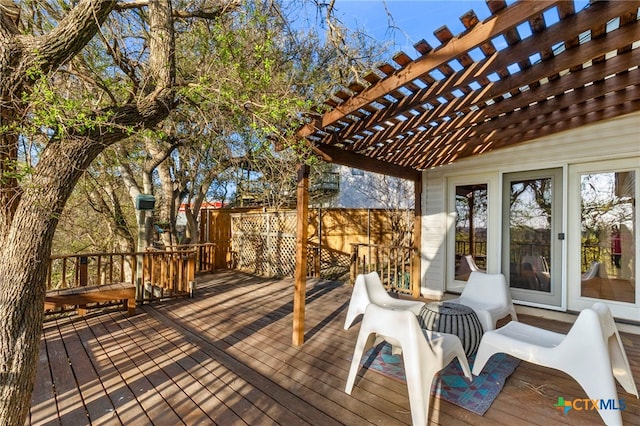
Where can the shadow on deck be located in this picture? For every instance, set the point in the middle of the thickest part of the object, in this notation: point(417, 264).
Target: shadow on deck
point(225, 357)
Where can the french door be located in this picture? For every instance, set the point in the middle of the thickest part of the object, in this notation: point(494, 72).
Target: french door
point(603, 247)
point(532, 236)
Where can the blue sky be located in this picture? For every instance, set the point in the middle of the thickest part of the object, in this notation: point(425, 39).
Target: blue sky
point(415, 20)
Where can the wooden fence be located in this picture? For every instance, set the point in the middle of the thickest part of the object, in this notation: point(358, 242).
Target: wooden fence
point(264, 242)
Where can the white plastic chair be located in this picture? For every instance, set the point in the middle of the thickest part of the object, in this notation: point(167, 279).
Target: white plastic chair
point(536, 270)
point(472, 263)
point(488, 295)
point(592, 353)
point(424, 353)
point(466, 266)
point(369, 289)
point(593, 272)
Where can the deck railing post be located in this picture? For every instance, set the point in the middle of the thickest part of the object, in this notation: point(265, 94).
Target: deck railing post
point(83, 275)
point(83, 271)
point(140, 259)
point(354, 263)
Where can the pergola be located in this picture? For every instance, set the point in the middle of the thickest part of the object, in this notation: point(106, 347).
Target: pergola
point(506, 80)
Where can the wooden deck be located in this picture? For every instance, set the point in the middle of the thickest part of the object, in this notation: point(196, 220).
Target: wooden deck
point(225, 357)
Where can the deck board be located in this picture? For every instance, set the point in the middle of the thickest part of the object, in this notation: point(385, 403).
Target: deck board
point(225, 357)
point(69, 402)
point(123, 404)
point(94, 396)
point(43, 404)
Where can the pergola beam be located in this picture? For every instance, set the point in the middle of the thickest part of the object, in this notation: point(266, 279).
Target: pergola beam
point(492, 27)
point(545, 98)
point(571, 28)
point(333, 154)
point(557, 120)
point(577, 56)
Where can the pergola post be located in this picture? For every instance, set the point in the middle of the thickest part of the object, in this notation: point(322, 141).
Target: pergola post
point(301, 254)
point(417, 237)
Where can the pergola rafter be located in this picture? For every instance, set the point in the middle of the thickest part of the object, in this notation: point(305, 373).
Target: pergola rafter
point(468, 96)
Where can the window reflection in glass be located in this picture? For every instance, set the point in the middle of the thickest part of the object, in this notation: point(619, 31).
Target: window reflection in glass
point(471, 229)
point(530, 215)
point(608, 236)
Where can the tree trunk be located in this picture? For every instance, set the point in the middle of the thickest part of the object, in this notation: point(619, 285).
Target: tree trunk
point(193, 225)
point(28, 222)
point(24, 261)
point(169, 204)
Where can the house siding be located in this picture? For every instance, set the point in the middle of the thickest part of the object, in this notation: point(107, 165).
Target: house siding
point(613, 139)
point(434, 226)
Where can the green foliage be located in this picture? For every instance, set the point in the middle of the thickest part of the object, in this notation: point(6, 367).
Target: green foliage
point(245, 83)
point(55, 111)
point(13, 170)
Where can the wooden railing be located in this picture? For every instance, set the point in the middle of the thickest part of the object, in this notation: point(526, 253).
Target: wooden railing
point(91, 269)
point(394, 264)
point(464, 247)
point(167, 274)
point(162, 273)
point(209, 256)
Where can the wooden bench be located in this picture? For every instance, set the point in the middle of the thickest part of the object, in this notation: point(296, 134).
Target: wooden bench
point(80, 296)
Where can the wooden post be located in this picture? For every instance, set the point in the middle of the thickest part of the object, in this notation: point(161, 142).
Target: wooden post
point(417, 239)
point(83, 279)
point(318, 257)
point(83, 271)
point(301, 254)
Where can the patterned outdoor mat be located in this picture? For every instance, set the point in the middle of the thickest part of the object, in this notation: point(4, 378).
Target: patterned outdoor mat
point(450, 383)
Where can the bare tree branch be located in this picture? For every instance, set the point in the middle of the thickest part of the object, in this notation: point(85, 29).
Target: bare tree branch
point(214, 13)
point(75, 30)
point(159, 154)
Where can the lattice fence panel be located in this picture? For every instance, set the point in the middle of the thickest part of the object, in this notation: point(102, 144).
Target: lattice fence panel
point(265, 242)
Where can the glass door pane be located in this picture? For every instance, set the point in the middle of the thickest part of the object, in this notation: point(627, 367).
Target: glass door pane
point(532, 212)
point(607, 252)
point(471, 229)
